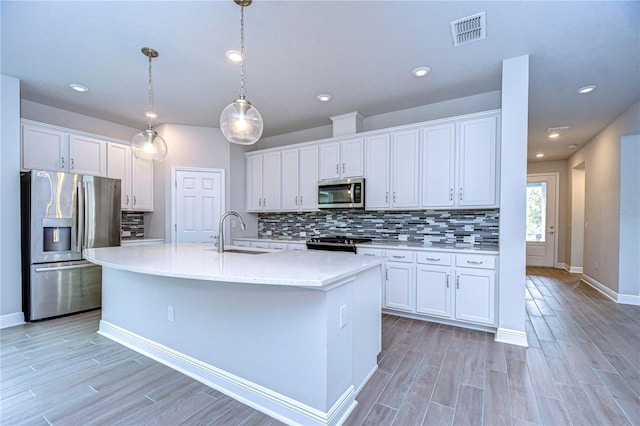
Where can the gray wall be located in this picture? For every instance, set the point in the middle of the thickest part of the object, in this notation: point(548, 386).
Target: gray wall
point(629, 214)
point(602, 160)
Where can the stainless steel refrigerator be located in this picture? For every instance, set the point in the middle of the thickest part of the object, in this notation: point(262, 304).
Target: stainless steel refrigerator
point(63, 213)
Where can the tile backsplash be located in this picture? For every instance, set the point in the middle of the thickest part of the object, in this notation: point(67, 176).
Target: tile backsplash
point(132, 225)
point(473, 227)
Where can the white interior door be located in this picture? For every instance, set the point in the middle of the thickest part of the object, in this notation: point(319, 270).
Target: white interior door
point(199, 202)
point(542, 205)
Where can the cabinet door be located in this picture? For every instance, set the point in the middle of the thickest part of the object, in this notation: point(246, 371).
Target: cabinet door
point(44, 148)
point(142, 184)
point(352, 151)
point(433, 290)
point(398, 286)
point(271, 181)
point(329, 161)
point(438, 160)
point(377, 172)
point(254, 183)
point(119, 167)
point(405, 168)
point(308, 185)
point(475, 295)
point(88, 155)
point(477, 162)
point(290, 179)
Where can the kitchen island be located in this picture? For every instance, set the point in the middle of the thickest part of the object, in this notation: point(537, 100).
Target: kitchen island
point(293, 334)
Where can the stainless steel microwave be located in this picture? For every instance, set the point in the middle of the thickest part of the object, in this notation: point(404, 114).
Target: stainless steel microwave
point(341, 194)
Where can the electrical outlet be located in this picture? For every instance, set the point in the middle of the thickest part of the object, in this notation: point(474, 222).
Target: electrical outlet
point(126, 233)
point(268, 232)
point(303, 234)
point(171, 314)
point(343, 316)
point(403, 237)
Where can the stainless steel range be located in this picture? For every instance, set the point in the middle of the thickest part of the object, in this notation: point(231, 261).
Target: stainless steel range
point(346, 244)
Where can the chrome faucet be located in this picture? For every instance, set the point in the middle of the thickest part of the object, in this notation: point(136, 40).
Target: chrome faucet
point(221, 229)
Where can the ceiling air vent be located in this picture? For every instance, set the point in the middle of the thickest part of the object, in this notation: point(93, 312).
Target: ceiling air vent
point(469, 29)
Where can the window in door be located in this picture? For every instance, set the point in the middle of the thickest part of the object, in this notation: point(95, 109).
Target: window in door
point(536, 211)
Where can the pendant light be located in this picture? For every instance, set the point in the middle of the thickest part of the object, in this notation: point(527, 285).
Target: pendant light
point(148, 145)
point(240, 122)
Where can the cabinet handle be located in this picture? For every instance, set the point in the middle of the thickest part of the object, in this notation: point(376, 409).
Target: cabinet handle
point(386, 197)
point(475, 262)
point(127, 202)
point(433, 259)
point(369, 254)
point(62, 162)
point(134, 200)
point(260, 202)
point(447, 280)
point(398, 257)
point(394, 196)
point(460, 193)
point(451, 194)
point(342, 167)
point(264, 202)
point(301, 200)
point(296, 200)
point(73, 164)
point(458, 282)
point(337, 168)
point(386, 274)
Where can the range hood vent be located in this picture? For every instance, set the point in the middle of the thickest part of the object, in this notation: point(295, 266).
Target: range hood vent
point(469, 29)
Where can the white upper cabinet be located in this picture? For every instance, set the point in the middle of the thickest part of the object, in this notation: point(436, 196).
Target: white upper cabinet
point(342, 159)
point(438, 164)
point(44, 148)
point(392, 164)
point(405, 168)
point(119, 167)
point(142, 185)
point(459, 164)
point(88, 156)
point(477, 162)
point(308, 186)
point(377, 171)
point(290, 181)
point(264, 182)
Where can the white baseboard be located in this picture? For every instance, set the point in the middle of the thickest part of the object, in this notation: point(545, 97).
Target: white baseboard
point(572, 269)
point(11, 320)
point(512, 337)
point(626, 299)
point(274, 404)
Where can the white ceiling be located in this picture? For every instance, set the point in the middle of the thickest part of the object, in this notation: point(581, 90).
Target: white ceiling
point(361, 52)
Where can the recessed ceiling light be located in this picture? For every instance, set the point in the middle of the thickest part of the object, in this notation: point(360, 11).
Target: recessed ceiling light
point(324, 97)
point(554, 135)
point(572, 146)
point(421, 71)
point(539, 155)
point(587, 89)
point(79, 87)
point(234, 55)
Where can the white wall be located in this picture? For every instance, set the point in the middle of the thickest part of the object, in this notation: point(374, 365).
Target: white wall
point(513, 184)
point(10, 257)
point(629, 214)
point(602, 159)
point(576, 225)
point(188, 146)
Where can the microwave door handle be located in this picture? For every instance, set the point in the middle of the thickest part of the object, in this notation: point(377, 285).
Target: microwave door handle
point(353, 193)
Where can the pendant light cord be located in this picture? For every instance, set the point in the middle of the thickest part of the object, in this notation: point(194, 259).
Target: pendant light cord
point(241, 52)
point(150, 110)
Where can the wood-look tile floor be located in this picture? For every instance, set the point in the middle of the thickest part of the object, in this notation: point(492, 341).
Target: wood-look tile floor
point(582, 367)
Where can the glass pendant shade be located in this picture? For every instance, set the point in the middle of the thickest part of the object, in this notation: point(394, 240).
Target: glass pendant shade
point(148, 145)
point(241, 123)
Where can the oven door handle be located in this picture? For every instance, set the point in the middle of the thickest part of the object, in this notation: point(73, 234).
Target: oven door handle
point(65, 268)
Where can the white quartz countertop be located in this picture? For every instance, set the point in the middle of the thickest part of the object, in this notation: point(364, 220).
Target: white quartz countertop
point(452, 248)
point(272, 240)
point(203, 262)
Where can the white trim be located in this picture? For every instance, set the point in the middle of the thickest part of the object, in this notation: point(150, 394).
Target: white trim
point(569, 268)
point(625, 299)
point(11, 320)
point(512, 337)
point(556, 176)
point(174, 209)
point(274, 404)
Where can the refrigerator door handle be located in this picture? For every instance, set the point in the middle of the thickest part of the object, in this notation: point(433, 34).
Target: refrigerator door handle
point(65, 268)
point(81, 218)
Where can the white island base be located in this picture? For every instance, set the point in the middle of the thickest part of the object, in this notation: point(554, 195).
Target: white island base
point(298, 354)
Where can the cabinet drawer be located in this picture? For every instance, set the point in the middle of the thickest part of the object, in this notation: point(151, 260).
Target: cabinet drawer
point(476, 261)
point(370, 252)
point(433, 258)
point(400, 256)
point(262, 245)
point(296, 246)
point(278, 246)
point(241, 243)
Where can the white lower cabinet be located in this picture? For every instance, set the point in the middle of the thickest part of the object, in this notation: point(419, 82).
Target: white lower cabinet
point(271, 245)
point(457, 287)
